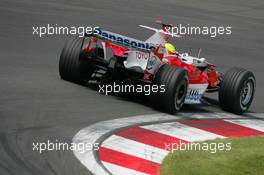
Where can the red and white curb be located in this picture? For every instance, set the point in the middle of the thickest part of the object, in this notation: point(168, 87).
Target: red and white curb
point(136, 145)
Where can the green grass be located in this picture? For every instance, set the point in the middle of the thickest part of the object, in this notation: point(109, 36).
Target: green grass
point(245, 158)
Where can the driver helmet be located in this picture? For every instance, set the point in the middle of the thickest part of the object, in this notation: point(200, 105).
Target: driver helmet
point(170, 49)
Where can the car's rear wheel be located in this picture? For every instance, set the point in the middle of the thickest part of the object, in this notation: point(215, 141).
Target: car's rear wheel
point(175, 82)
point(71, 67)
point(237, 90)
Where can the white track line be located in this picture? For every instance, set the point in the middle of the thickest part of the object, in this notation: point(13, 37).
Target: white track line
point(182, 131)
point(135, 148)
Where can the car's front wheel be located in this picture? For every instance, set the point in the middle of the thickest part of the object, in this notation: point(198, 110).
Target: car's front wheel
point(237, 90)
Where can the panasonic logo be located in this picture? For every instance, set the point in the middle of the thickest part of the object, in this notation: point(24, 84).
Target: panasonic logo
point(123, 40)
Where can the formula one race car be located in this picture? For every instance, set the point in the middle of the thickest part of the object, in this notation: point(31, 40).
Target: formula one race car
point(107, 58)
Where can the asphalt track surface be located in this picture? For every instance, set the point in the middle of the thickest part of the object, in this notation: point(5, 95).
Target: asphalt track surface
point(35, 105)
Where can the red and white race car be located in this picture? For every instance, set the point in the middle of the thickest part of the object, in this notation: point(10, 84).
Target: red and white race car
point(107, 57)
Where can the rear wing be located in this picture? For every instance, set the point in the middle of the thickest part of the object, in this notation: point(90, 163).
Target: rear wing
point(122, 41)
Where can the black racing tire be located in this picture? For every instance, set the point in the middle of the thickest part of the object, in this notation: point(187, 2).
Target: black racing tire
point(237, 90)
point(71, 68)
point(175, 82)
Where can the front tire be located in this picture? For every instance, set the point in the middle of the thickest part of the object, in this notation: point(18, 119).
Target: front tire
point(175, 82)
point(237, 90)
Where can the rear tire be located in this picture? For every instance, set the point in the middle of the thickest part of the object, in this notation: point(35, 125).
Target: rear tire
point(175, 82)
point(237, 90)
point(71, 68)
